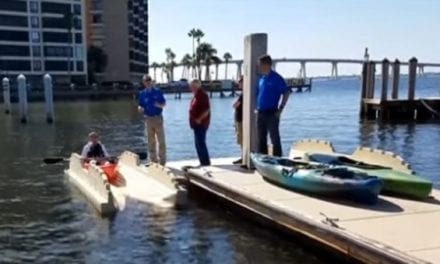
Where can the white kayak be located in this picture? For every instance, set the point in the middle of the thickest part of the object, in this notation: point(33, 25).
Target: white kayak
point(152, 184)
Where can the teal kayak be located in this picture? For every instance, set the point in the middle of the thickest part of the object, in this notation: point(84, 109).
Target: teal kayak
point(318, 179)
point(395, 182)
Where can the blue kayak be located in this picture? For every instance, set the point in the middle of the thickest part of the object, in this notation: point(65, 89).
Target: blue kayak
point(318, 179)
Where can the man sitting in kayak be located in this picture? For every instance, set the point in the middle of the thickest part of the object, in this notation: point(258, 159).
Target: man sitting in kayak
point(94, 149)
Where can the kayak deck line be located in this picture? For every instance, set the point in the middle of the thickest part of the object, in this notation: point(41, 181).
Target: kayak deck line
point(363, 154)
point(395, 230)
point(153, 184)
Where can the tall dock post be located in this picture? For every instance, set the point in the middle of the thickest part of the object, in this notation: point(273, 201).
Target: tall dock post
point(255, 45)
point(48, 97)
point(363, 88)
point(396, 77)
point(22, 98)
point(412, 75)
point(385, 76)
point(6, 95)
point(371, 73)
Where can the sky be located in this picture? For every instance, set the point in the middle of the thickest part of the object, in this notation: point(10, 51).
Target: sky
point(300, 29)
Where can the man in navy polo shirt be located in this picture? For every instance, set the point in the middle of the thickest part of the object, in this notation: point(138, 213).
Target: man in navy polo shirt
point(151, 104)
point(272, 96)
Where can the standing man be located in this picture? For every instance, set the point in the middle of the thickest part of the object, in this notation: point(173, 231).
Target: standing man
point(238, 115)
point(199, 119)
point(151, 104)
point(271, 88)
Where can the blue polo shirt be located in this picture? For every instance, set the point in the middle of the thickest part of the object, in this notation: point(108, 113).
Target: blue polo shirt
point(270, 89)
point(148, 99)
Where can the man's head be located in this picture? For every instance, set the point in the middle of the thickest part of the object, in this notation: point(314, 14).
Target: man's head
point(265, 64)
point(147, 81)
point(195, 85)
point(240, 82)
point(93, 137)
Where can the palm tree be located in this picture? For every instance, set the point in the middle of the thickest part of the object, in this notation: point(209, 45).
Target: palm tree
point(227, 56)
point(205, 52)
point(216, 60)
point(170, 63)
point(196, 35)
point(154, 65)
point(186, 63)
point(163, 71)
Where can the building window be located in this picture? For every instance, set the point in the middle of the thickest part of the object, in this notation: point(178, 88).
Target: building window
point(77, 9)
point(79, 52)
point(78, 38)
point(36, 51)
point(57, 51)
point(35, 36)
point(55, 8)
point(14, 50)
point(97, 18)
point(97, 5)
point(13, 20)
point(77, 23)
point(36, 65)
point(56, 37)
point(80, 66)
point(33, 6)
point(35, 22)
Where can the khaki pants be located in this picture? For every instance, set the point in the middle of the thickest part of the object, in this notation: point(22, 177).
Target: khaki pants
point(155, 131)
point(239, 132)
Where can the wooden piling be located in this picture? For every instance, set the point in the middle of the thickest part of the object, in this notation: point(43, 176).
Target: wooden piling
point(6, 95)
point(255, 45)
point(412, 75)
point(371, 79)
point(385, 76)
point(396, 77)
point(363, 88)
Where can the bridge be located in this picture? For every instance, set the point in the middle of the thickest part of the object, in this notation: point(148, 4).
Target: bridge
point(333, 62)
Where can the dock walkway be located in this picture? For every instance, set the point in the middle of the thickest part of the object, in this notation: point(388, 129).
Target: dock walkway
point(392, 231)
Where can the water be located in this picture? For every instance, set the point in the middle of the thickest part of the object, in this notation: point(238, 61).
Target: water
point(44, 220)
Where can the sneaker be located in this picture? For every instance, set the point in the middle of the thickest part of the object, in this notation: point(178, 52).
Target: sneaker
point(239, 161)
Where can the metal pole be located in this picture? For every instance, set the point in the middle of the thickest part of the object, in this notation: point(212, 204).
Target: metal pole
point(363, 88)
point(48, 96)
point(255, 45)
point(6, 95)
point(22, 98)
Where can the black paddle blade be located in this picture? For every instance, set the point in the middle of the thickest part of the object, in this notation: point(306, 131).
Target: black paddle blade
point(53, 160)
point(142, 155)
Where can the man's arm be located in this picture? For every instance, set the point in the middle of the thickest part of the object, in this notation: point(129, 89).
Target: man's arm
point(84, 151)
point(204, 104)
point(285, 94)
point(202, 116)
point(161, 103)
point(104, 150)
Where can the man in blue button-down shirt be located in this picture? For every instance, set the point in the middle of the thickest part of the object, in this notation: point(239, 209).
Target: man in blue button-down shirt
point(272, 97)
point(151, 104)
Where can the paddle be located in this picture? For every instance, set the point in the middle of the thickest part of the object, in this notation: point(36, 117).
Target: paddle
point(53, 160)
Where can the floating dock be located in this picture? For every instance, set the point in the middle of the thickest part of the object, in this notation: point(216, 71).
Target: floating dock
point(394, 230)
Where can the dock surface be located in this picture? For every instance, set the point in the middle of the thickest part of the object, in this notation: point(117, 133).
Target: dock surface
point(394, 230)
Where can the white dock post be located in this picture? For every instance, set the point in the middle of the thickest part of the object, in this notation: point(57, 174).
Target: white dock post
point(22, 98)
point(385, 76)
point(6, 95)
point(396, 77)
point(412, 75)
point(255, 45)
point(371, 79)
point(48, 98)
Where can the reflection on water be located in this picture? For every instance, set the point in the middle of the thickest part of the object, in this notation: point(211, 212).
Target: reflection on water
point(45, 220)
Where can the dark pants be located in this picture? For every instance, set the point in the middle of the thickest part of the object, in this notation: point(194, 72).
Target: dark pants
point(268, 122)
point(200, 142)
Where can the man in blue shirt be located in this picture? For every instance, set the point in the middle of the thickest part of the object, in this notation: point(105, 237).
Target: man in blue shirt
point(151, 104)
point(272, 96)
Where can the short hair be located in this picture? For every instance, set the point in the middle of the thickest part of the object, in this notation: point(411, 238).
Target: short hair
point(146, 78)
point(93, 134)
point(196, 82)
point(265, 59)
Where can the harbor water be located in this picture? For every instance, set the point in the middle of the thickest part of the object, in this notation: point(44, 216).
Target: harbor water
point(44, 220)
